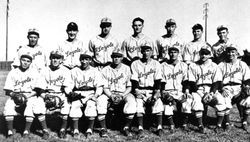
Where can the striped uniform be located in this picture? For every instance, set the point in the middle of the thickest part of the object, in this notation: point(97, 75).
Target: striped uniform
point(117, 80)
point(173, 76)
point(26, 81)
point(38, 54)
point(102, 48)
point(132, 46)
point(91, 77)
point(145, 74)
point(164, 43)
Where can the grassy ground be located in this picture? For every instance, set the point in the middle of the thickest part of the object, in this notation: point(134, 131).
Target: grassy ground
point(236, 134)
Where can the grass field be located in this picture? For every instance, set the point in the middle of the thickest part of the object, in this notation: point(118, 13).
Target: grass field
point(236, 134)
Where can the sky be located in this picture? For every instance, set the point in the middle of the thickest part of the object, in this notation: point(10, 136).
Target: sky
point(51, 17)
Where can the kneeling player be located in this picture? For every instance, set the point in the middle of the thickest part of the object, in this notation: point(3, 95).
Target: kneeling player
point(117, 90)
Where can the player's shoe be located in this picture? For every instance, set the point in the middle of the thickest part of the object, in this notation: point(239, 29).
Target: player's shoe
point(218, 129)
point(202, 129)
point(45, 134)
point(88, 133)
point(227, 126)
point(244, 127)
point(127, 133)
point(62, 134)
point(160, 132)
point(103, 133)
point(185, 128)
point(10, 134)
point(140, 133)
point(76, 133)
point(26, 134)
point(172, 129)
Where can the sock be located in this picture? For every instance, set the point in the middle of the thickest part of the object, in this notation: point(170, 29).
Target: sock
point(91, 123)
point(128, 121)
point(185, 119)
point(28, 123)
point(227, 119)
point(9, 121)
point(64, 122)
point(75, 123)
point(159, 121)
point(245, 117)
point(241, 110)
point(140, 121)
point(199, 120)
point(170, 120)
point(42, 120)
point(219, 120)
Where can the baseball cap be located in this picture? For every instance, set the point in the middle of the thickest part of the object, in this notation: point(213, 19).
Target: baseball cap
point(231, 47)
point(33, 31)
point(205, 50)
point(173, 48)
point(26, 55)
point(145, 47)
point(197, 26)
point(72, 26)
point(116, 54)
point(106, 22)
point(56, 54)
point(170, 22)
point(84, 56)
point(222, 27)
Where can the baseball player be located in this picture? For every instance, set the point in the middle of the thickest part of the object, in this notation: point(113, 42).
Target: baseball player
point(146, 77)
point(219, 47)
point(174, 75)
point(88, 83)
point(191, 50)
point(132, 45)
point(117, 83)
point(235, 73)
point(58, 82)
point(103, 45)
point(38, 53)
point(203, 75)
point(168, 40)
point(72, 47)
point(24, 80)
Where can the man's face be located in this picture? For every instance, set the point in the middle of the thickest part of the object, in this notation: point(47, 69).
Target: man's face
point(173, 54)
point(197, 34)
point(72, 34)
point(85, 62)
point(232, 54)
point(33, 39)
point(25, 63)
point(117, 60)
point(146, 54)
point(55, 61)
point(223, 34)
point(171, 29)
point(137, 27)
point(106, 29)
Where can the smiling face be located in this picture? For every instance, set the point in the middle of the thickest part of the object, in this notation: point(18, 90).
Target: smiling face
point(55, 61)
point(25, 62)
point(232, 55)
point(85, 62)
point(71, 34)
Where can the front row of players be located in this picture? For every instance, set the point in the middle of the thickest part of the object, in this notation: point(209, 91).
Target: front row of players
point(161, 87)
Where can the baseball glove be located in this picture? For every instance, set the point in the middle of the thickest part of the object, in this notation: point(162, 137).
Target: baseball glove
point(209, 99)
point(167, 98)
point(72, 96)
point(116, 99)
point(19, 98)
point(53, 102)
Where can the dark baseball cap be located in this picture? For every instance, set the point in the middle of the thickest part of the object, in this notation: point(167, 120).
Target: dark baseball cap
point(145, 47)
point(173, 48)
point(33, 31)
point(222, 27)
point(26, 55)
point(72, 26)
point(84, 56)
point(116, 54)
point(170, 22)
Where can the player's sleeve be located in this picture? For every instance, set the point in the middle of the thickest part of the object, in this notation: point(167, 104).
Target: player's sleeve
point(68, 82)
point(191, 72)
point(246, 71)
point(91, 47)
point(16, 60)
point(187, 53)
point(123, 49)
point(99, 81)
point(163, 78)
point(10, 81)
point(135, 72)
point(158, 71)
point(105, 77)
point(159, 48)
point(128, 81)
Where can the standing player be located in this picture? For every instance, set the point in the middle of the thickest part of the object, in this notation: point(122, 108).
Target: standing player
point(24, 80)
point(235, 73)
point(37, 52)
point(117, 84)
point(72, 47)
point(146, 78)
point(168, 40)
point(191, 50)
point(58, 77)
point(89, 84)
point(103, 45)
point(174, 75)
point(219, 47)
point(132, 45)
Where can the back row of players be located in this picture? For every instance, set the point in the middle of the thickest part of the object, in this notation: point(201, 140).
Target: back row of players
point(144, 82)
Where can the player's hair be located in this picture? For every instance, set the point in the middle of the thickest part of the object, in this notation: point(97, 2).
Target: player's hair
point(138, 19)
point(197, 26)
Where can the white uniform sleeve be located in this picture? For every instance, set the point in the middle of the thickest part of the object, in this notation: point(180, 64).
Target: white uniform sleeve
point(134, 69)
point(158, 72)
point(9, 83)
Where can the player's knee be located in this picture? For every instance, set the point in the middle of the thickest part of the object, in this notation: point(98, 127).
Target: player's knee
point(9, 118)
point(101, 117)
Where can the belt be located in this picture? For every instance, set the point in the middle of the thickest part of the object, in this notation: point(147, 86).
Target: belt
point(205, 84)
point(231, 84)
point(146, 88)
point(84, 88)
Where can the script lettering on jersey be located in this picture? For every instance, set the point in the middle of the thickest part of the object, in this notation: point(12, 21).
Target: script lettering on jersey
point(173, 76)
point(58, 79)
point(22, 82)
point(100, 48)
point(151, 71)
point(115, 80)
point(85, 83)
point(165, 48)
point(132, 49)
point(231, 74)
point(36, 54)
point(204, 76)
point(72, 53)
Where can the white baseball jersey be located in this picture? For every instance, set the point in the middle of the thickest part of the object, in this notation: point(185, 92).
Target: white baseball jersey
point(146, 73)
point(191, 50)
point(234, 72)
point(132, 46)
point(117, 79)
point(102, 48)
point(219, 47)
point(71, 52)
point(205, 73)
point(164, 43)
point(38, 54)
point(91, 77)
point(174, 75)
point(56, 79)
point(20, 81)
